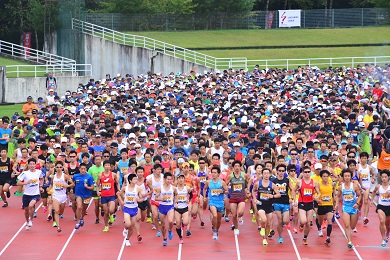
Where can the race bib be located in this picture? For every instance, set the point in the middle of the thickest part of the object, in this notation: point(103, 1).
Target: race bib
point(124, 170)
point(87, 201)
point(34, 183)
point(106, 186)
point(385, 197)
point(181, 199)
point(264, 196)
point(237, 187)
point(202, 179)
point(215, 192)
point(130, 199)
point(3, 168)
point(167, 198)
point(364, 177)
point(326, 198)
point(58, 186)
point(282, 189)
point(307, 192)
point(5, 135)
point(348, 197)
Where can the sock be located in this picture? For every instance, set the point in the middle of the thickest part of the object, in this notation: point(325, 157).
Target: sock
point(318, 224)
point(305, 237)
point(178, 231)
point(329, 230)
point(52, 213)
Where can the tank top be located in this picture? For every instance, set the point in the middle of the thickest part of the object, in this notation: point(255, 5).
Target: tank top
point(182, 197)
point(147, 170)
point(219, 151)
point(22, 165)
point(262, 193)
point(188, 181)
point(71, 171)
point(365, 176)
point(284, 189)
point(131, 197)
point(58, 185)
point(293, 182)
point(166, 165)
point(306, 192)
point(38, 166)
point(238, 185)
point(18, 153)
point(215, 194)
point(384, 198)
point(326, 198)
point(348, 196)
point(107, 183)
point(142, 188)
point(202, 178)
point(5, 169)
point(156, 185)
point(123, 167)
point(169, 193)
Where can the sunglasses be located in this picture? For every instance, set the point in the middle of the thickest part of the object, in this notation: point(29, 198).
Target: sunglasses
point(307, 172)
point(324, 161)
point(351, 157)
point(293, 154)
point(310, 151)
point(280, 170)
point(59, 167)
point(291, 170)
point(72, 156)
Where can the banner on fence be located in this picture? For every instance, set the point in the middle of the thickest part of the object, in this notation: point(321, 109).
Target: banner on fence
point(270, 18)
point(289, 18)
point(27, 42)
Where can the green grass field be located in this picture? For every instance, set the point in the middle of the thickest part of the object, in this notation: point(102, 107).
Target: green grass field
point(9, 110)
point(28, 70)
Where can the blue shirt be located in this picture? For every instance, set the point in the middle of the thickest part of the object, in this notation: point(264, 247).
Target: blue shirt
point(5, 133)
point(79, 180)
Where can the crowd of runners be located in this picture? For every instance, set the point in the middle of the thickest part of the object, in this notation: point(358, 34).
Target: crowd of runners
point(304, 145)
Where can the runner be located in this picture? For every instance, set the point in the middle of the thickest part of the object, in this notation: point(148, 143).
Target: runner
point(182, 199)
point(203, 176)
point(32, 180)
point(216, 189)
point(306, 188)
point(129, 196)
point(165, 196)
point(292, 176)
point(142, 205)
point(350, 195)
point(367, 178)
point(59, 186)
point(238, 193)
point(84, 185)
point(95, 171)
point(383, 207)
point(107, 182)
point(5, 176)
point(154, 182)
point(264, 191)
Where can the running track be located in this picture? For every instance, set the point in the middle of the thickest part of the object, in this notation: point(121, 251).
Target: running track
point(43, 241)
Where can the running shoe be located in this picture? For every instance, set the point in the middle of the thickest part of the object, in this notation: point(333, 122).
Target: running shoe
point(383, 243)
point(265, 242)
point(202, 224)
point(54, 224)
point(295, 231)
point(165, 242)
point(227, 219)
point(154, 227)
point(59, 229)
point(44, 209)
point(112, 219)
point(61, 216)
point(288, 226)
point(127, 242)
point(387, 239)
point(77, 226)
point(259, 228)
point(304, 241)
point(8, 194)
point(251, 211)
point(18, 194)
point(253, 218)
point(97, 221)
point(236, 231)
point(300, 228)
point(280, 241)
point(181, 241)
point(81, 222)
point(5, 205)
point(271, 233)
point(194, 216)
point(75, 218)
point(320, 234)
point(35, 214)
point(262, 232)
point(327, 241)
point(139, 238)
point(365, 221)
point(49, 217)
point(30, 223)
point(106, 228)
point(311, 223)
point(355, 230)
point(350, 245)
point(158, 234)
point(215, 235)
point(170, 235)
point(70, 203)
point(27, 226)
point(232, 227)
point(240, 221)
point(125, 232)
point(337, 215)
point(149, 220)
point(188, 233)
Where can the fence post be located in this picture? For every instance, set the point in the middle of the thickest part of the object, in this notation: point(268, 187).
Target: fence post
point(304, 18)
point(287, 64)
point(362, 17)
point(375, 60)
point(353, 62)
point(332, 18)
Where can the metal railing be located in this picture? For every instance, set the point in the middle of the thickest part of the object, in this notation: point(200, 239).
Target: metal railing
point(43, 70)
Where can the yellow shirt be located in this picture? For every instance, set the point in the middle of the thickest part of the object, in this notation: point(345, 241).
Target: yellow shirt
point(326, 198)
point(367, 119)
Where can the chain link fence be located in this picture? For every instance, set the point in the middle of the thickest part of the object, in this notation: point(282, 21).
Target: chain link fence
point(318, 18)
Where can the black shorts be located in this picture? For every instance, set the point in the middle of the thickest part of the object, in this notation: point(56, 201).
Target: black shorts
point(94, 194)
point(13, 181)
point(44, 194)
point(181, 211)
point(267, 208)
point(385, 209)
point(323, 210)
point(26, 199)
point(306, 206)
point(4, 181)
point(315, 204)
point(143, 205)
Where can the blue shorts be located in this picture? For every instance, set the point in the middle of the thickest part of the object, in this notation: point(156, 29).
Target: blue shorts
point(219, 208)
point(164, 209)
point(131, 211)
point(106, 200)
point(350, 210)
point(282, 207)
point(26, 199)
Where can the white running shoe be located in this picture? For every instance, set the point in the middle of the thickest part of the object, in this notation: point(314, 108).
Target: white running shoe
point(320, 234)
point(30, 223)
point(236, 232)
point(27, 226)
point(70, 203)
point(354, 230)
point(215, 235)
point(154, 227)
point(125, 232)
point(127, 242)
point(241, 221)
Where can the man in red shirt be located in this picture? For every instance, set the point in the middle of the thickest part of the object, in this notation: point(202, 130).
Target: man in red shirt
point(377, 90)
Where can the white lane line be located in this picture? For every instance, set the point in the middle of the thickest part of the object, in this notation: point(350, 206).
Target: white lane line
point(69, 238)
point(294, 245)
point(179, 253)
point(342, 230)
point(237, 248)
point(122, 248)
point(17, 233)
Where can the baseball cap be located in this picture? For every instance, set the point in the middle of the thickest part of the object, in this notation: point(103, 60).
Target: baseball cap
point(181, 160)
point(318, 166)
point(362, 125)
point(64, 140)
point(236, 144)
point(56, 146)
point(186, 164)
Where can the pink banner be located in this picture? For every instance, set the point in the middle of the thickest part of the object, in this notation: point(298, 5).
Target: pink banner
point(270, 19)
point(27, 42)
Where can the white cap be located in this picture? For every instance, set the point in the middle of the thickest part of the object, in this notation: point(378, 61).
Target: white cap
point(283, 139)
point(144, 134)
point(236, 144)
point(56, 146)
point(206, 122)
point(131, 135)
point(203, 133)
point(225, 129)
point(318, 166)
point(362, 125)
point(64, 140)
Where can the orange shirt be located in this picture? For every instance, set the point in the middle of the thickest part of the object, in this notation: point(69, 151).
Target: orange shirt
point(27, 108)
point(384, 161)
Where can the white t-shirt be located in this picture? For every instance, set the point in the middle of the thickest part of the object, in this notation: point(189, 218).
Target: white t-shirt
point(32, 188)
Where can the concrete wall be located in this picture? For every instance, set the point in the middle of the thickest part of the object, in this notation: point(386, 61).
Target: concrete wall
point(18, 89)
point(109, 57)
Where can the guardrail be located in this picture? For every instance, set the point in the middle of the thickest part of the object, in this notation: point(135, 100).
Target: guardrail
point(43, 70)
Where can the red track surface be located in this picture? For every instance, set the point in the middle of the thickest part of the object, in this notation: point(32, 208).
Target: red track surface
point(43, 241)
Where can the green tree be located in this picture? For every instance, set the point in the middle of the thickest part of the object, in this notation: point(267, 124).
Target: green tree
point(36, 18)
